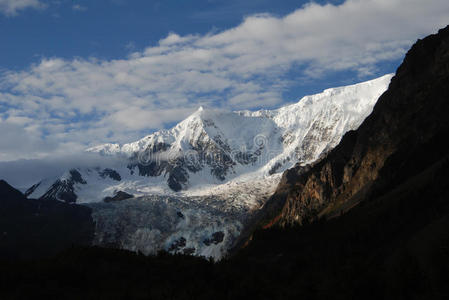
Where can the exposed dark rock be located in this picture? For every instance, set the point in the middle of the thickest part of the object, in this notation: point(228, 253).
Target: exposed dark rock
point(148, 164)
point(178, 176)
point(76, 177)
point(61, 190)
point(119, 196)
point(245, 158)
point(214, 153)
point(160, 147)
point(275, 168)
point(177, 245)
point(64, 190)
point(151, 169)
point(111, 174)
point(205, 151)
point(217, 237)
point(31, 189)
point(179, 214)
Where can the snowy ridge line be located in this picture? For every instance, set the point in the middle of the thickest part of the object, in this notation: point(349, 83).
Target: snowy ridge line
point(213, 147)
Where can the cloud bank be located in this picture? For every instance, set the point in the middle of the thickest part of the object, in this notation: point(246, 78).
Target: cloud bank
point(12, 7)
point(24, 173)
point(58, 106)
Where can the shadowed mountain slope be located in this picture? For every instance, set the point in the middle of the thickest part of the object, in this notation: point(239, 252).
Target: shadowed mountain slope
point(406, 133)
point(40, 228)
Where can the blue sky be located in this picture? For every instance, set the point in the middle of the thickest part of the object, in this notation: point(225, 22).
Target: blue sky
point(76, 73)
point(110, 29)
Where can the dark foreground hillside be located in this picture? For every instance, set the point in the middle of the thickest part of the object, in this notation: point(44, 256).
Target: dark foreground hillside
point(391, 248)
point(32, 228)
point(370, 221)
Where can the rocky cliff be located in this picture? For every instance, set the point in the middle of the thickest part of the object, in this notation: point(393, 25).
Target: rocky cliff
point(405, 134)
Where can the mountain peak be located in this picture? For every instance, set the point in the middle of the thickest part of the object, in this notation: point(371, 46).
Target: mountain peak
point(232, 146)
point(7, 191)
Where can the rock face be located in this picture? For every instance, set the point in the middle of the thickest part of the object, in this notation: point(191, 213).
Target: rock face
point(119, 196)
point(405, 134)
point(64, 188)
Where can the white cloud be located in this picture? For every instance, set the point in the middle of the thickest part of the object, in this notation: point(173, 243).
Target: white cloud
point(24, 173)
point(82, 102)
point(12, 7)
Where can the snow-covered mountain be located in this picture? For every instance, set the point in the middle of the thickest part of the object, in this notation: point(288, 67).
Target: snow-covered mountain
point(224, 163)
point(212, 147)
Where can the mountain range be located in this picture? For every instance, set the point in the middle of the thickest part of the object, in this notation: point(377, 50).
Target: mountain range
point(368, 219)
point(204, 179)
point(213, 147)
